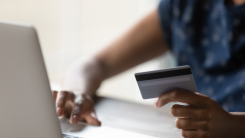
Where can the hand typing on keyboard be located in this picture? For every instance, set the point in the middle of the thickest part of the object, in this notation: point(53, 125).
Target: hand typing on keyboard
point(78, 86)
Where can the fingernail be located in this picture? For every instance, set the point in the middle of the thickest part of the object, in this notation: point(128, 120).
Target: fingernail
point(59, 111)
point(156, 104)
point(74, 119)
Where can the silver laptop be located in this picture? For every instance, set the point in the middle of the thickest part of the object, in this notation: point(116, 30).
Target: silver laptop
point(27, 108)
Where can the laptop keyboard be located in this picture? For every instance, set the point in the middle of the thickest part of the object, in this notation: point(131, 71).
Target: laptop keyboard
point(67, 136)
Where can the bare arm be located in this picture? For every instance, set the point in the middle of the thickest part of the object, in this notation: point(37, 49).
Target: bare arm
point(141, 43)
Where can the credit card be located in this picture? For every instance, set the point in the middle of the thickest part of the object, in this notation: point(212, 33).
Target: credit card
point(152, 84)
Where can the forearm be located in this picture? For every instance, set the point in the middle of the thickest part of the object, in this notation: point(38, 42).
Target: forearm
point(141, 43)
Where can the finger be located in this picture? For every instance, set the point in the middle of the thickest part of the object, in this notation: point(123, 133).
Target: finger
point(187, 133)
point(61, 102)
point(180, 95)
point(92, 119)
point(77, 109)
point(68, 109)
point(185, 123)
point(188, 111)
point(55, 94)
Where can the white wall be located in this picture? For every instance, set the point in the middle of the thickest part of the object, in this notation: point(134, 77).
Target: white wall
point(45, 16)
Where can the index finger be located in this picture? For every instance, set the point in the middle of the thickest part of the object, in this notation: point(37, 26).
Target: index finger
point(77, 109)
point(180, 95)
point(61, 102)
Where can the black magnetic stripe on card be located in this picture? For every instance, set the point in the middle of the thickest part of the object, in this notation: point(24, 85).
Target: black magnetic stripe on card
point(165, 74)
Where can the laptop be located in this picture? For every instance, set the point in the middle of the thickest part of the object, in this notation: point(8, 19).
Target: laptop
point(27, 108)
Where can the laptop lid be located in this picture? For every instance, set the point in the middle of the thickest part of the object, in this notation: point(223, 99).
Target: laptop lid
point(27, 108)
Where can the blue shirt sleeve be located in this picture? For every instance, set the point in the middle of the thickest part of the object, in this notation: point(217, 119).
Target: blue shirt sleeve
point(165, 17)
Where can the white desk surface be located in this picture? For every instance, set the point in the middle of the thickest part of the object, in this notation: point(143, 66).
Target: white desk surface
point(117, 116)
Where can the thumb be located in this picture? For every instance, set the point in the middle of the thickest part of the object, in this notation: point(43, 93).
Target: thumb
point(92, 119)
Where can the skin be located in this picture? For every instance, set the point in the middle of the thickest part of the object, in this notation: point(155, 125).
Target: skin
point(235, 2)
point(142, 42)
point(201, 118)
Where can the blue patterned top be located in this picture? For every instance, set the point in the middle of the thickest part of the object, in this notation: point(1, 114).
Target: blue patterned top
point(209, 36)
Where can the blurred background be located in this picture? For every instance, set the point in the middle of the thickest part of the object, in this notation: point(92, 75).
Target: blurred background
point(69, 29)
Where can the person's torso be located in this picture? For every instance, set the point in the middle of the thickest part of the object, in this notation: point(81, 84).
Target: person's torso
point(210, 37)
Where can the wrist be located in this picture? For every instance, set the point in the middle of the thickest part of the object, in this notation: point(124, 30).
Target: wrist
point(101, 66)
point(84, 76)
point(96, 72)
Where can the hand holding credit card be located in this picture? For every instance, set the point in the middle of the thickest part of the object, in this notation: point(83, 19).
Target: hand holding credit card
point(152, 84)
